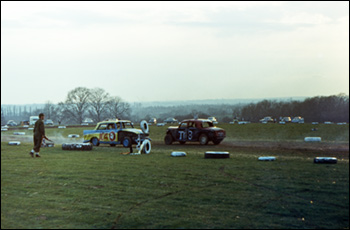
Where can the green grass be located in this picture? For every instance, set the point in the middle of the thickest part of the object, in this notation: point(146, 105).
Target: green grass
point(104, 189)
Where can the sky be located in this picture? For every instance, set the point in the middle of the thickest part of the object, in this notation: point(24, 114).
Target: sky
point(170, 51)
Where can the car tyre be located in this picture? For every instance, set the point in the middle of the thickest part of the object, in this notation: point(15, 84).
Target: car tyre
point(127, 142)
point(95, 141)
point(216, 155)
point(144, 127)
point(168, 139)
point(203, 139)
point(147, 147)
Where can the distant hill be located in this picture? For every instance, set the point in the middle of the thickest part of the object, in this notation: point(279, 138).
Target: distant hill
point(215, 101)
point(34, 106)
point(187, 102)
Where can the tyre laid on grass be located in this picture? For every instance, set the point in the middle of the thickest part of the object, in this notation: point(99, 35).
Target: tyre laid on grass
point(77, 146)
point(216, 155)
point(269, 158)
point(87, 146)
point(168, 139)
point(14, 143)
point(325, 160)
point(19, 133)
point(312, 139)
point(49, 145)
point(178, 154)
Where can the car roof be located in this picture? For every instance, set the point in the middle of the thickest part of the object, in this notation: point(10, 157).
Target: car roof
point(114, 121)
point(198, 120)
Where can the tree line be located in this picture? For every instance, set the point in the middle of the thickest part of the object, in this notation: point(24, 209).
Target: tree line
point(98, 105)
point(333, 108)
point(80, 103)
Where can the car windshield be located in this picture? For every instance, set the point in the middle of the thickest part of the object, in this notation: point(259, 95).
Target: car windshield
point(126, 125)
point(102, 127)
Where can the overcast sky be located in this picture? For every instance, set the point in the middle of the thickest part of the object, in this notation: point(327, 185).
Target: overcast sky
point(159, 51)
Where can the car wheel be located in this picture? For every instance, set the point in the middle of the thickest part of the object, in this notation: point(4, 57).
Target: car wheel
point(127, 142)
point(168, 139)
point(95, 141)
point(203, 139)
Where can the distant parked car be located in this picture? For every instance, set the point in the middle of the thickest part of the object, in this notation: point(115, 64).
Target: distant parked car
point(153, 121)
point(88, 120)
point(33, 119)
point(11, 123)
point(266, 120)
point(25, 122)
point(170, 120)
point(49, 122)
point(213, 119)
point(286, 119)
point(195, 130)
point(298, 120)
point(243, 122)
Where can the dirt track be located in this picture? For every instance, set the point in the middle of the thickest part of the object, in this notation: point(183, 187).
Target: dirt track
point(335, 148)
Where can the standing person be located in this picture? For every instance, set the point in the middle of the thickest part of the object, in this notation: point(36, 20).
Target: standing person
point(39, 134)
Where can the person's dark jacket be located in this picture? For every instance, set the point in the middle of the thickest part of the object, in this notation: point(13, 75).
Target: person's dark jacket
point(39, 129)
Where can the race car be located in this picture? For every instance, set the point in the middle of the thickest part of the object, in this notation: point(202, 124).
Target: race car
point(115, 132)
point(194, 130)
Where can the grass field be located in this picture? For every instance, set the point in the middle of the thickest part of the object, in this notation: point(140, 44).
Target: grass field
point(105, 189)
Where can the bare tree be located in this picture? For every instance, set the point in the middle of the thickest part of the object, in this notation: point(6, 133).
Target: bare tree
point(61, 114)
point(77, 104)
point(98, 99)
point(49, 110)
point(2, 118)
point(117, 108)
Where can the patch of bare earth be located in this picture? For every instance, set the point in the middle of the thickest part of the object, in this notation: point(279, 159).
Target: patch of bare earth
point(341, 149)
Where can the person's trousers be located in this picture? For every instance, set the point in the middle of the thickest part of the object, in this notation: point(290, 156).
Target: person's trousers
point(37, 143)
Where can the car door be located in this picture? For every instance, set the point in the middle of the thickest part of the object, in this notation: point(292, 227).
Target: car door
point(181, 134)
point(192, 131)
point(112, 133)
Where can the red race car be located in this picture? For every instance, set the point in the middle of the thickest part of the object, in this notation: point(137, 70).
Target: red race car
point(195, 130)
